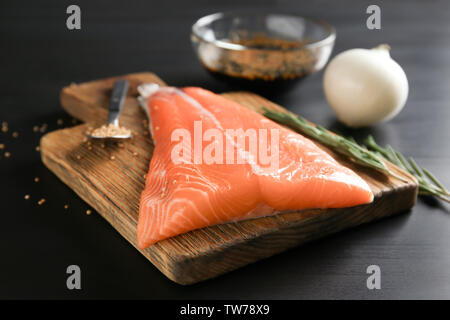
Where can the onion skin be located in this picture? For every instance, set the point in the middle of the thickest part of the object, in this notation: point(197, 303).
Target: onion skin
point(365, 86)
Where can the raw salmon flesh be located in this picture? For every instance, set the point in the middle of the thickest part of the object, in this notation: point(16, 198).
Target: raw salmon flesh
point(185, 195)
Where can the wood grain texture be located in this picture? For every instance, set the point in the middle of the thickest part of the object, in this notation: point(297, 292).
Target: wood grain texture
point(113, 188)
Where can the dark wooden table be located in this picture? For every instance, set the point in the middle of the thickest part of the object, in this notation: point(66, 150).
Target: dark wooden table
point(39, 56)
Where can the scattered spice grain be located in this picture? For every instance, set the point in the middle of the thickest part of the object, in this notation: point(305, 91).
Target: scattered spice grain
point(43, 128)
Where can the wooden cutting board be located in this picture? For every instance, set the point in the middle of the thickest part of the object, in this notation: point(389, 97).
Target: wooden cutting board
point(110, 178)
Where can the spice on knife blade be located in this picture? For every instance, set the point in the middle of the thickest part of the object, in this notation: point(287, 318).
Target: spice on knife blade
point(109, 131)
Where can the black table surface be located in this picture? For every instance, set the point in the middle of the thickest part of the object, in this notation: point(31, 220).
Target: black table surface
point(39, 56)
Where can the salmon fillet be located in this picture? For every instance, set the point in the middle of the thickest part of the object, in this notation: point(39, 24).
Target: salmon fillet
point(225, 178)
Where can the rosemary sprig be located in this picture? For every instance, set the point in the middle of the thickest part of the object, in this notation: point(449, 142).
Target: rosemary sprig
point(428, 184)
point(372, 155)
point(336, 142)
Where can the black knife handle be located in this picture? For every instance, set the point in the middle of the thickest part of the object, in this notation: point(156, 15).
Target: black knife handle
point(117, 97)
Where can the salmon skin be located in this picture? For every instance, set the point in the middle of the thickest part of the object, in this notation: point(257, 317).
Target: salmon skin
point(186, 190)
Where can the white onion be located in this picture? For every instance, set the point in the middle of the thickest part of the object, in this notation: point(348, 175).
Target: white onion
point(365, 86)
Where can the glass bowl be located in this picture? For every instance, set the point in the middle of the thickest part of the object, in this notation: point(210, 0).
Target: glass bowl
point(262, 48)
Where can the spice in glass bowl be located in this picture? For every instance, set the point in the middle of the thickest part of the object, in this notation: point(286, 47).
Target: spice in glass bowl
point(269, 59)
point(262, 50)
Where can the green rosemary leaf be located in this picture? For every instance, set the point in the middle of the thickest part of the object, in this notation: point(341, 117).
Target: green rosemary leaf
point(370, 155)
point(435, 180)
point(416, 167)
point(403, 161)
point(338, 143)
